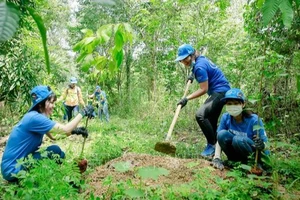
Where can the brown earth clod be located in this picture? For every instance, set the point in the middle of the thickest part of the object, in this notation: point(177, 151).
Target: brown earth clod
point(165, 147)
point(256, 170)
point(82, 164)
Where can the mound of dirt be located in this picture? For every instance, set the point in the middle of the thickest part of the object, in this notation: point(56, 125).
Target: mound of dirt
point(180, 171)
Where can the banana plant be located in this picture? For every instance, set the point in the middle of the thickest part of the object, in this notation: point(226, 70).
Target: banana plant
point(271, 7)
point(103, 49)
point(9, 24)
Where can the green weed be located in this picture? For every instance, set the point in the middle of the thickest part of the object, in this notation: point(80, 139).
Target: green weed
point(46, 180)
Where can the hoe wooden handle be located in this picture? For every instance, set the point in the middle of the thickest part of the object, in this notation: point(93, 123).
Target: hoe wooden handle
point(177, 112)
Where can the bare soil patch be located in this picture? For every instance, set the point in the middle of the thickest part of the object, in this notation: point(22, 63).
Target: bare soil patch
point(180, 171)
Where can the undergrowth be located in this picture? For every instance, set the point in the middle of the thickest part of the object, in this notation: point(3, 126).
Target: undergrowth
point(47, 180)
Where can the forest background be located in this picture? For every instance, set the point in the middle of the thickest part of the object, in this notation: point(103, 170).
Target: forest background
point(128, 48)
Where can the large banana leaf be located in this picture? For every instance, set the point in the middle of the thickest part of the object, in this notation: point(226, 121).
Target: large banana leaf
point(269, 10)
point(287, 13)
point(9, 21)
point(40, 24)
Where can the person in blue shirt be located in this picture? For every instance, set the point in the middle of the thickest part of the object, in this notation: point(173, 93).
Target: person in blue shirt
point(240, 132)
point(212, 82)
point(102, 103)
point(26, 137)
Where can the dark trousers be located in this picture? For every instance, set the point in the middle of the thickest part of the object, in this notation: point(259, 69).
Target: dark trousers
point(53, 151)
point(69, 111)
point(208, 114)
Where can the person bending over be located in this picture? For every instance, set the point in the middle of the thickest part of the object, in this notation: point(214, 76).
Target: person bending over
point(211, 81)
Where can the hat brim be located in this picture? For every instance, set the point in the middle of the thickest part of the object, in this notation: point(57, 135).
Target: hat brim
point(180, 58)
point(223, 99)
point(31, 108)
point(226, 98)
point(73, 81)
point(36, 103)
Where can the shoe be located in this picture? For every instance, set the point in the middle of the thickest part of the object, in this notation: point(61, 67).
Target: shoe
point(208, 151)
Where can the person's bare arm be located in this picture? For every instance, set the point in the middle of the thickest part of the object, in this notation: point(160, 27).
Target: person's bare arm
point(91, 96)
point(50, 136)
point(201, 91)
point(67, 128)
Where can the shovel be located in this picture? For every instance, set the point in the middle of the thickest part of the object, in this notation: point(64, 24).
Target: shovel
point(165, 146)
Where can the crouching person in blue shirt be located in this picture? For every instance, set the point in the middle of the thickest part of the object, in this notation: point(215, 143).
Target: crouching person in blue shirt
point(26, 137)
point(237, 132)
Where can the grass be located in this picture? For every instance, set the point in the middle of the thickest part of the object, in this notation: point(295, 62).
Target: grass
point(107, 141)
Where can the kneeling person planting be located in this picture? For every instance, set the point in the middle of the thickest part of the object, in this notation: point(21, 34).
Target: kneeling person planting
point(237, 136)
point(26, 137)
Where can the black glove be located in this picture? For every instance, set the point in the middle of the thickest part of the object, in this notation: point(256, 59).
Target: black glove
point(80, 131)
point(87, 111)
point(217, 163)
point(182, 102)
point(258, 144)
point(190, 78)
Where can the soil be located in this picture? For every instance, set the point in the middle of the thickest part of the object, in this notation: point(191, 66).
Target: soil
point(82, 164)
point(256, 170)
point(180, 171)
point(2, 145)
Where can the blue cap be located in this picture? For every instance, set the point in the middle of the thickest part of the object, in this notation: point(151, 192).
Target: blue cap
point(234, 93)
point(73, 80)
point(184, 51)
point(38, 94)
point(98, 87)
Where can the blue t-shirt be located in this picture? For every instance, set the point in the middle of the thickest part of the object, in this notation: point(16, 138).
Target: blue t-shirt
point(205, 70)
point(25, 138)
point(245, 128)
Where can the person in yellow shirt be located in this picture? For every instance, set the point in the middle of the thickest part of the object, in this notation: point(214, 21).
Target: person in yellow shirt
point(72, 97)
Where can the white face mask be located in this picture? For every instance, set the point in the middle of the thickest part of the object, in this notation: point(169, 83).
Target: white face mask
point(234, 110)
point(193, 63)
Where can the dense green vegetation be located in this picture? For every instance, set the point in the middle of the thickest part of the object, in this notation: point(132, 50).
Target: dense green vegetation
point(128, 47)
